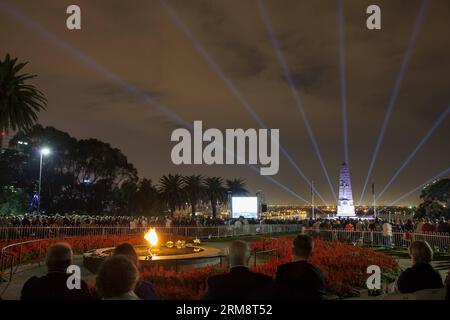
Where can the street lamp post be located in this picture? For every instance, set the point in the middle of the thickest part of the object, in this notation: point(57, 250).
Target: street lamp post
point(44, 152)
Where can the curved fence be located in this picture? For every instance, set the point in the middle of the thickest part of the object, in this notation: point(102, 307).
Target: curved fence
point(13, 239)
point(438, 241)
point(36, 236)
point(17, 238)
point(10, 234)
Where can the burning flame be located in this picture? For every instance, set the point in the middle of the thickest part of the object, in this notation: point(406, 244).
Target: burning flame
point(151, 237)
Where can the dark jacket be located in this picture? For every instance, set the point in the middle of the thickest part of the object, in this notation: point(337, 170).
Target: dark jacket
point(418, 277)
point(146, 291)
point(239, 284)
point(53, 286)
point(447, 296)
point(299, 280)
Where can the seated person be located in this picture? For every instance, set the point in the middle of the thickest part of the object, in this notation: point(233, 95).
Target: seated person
point(117, 278)
point(53, 286)
point(300, 279)
point(421, 275)
point(144, 289)
point(239, 283)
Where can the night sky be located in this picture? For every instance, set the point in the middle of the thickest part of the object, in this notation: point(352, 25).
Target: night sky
point(139, 42)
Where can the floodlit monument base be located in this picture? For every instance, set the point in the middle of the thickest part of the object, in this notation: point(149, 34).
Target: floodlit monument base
point(345, 209)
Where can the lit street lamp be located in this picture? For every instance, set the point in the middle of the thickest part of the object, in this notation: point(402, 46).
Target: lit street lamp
point(44, 152)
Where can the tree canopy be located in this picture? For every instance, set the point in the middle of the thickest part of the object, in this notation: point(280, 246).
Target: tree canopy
point(20, 101)
point(435, 199)
point(91, 176)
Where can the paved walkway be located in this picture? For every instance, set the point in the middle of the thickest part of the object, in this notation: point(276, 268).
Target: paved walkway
point(13, 288)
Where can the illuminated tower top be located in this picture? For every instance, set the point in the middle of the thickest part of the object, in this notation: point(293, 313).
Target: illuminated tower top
point(345, 201)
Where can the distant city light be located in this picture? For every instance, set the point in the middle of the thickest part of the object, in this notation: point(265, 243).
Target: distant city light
point(45, 151)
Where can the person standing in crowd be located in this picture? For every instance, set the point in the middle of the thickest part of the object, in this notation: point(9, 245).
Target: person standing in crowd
point(53, 286)
point(409, 226)
point(419, 225)
point(421, 275)
point(168, 222)
point(349, 226)
point(372, 225)
point(409, 229)
point(387, 234)
point(443, 226)
point(428, 226)
point(300, 279)
point(239, 283)
point(359, 225)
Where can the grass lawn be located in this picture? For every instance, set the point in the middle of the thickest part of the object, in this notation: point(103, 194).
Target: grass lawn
point(441, 260)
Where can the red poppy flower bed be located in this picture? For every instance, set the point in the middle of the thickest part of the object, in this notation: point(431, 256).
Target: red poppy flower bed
point(32, 251)
point(343, 265)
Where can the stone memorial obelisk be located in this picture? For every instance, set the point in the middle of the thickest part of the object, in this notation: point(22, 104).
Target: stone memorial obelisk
point(345, 207)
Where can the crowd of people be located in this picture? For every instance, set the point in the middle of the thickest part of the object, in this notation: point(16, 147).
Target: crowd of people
point(423, 225)
point(18, 226)
point(75, 220)
point(66, 220)
point(118, 277)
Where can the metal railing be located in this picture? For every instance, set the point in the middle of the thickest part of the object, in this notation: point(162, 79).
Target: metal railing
point(14, 234)
point(369, 238)
point(24, 236)
point(14, 239)
point(438, 241)
point(10, 263)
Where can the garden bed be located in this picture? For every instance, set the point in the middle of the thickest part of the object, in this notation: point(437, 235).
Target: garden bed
point(343, 265)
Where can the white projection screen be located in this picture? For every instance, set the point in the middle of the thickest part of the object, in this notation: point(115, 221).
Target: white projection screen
point(246, 207)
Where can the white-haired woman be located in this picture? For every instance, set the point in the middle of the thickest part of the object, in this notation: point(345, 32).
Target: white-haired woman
point(421, 275)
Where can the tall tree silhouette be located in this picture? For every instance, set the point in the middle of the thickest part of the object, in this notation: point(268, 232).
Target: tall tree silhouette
point(171, 191)
point(216, 192)
point(236, 187)
point(20, 101)
point(194, 190)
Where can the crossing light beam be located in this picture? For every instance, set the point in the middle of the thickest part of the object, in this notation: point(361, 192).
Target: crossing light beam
point(116, 79)
point(427, 136)
point(343, 78)
point(275, 43)
point(396, 90)
point(198, 46)
point(439, 175)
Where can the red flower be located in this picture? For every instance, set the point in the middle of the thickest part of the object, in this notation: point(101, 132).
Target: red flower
point(343, 265)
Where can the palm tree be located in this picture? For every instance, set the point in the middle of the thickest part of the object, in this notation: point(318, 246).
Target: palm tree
point(215, 191)
point(236, 187)
point(194, 190)
point(171, 191)
point(20, 102)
